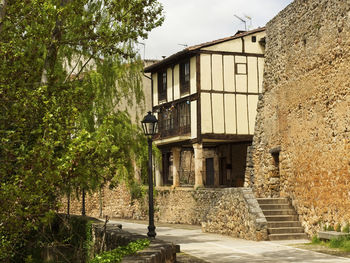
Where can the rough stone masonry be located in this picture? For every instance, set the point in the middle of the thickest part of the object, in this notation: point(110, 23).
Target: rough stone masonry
point(229, 211)
point(301, 147)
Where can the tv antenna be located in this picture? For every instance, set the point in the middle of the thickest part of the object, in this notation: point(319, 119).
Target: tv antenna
point(250, 21)
point(245, 21)
point(184, 45)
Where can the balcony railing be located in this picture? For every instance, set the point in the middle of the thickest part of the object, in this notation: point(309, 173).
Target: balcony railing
point(174, 120)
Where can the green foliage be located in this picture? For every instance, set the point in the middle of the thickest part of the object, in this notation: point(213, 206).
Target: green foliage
point(315, 240)
point(338, 227)
point(330, 228)
point(137, 191)
point(65, 67)
point(62, 238)
point(116, 255)
point(346, 228)
point(341, 242)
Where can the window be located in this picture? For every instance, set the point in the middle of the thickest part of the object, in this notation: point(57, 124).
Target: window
point(167, 121)
point(184, 115)
point(241, 68)
point(254, 39)
point(185, 77)
point(162, 85)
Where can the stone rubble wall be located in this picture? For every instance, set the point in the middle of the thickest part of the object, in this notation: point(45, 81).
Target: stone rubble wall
point(305, 110)
point(238, 214)
point(230, 211)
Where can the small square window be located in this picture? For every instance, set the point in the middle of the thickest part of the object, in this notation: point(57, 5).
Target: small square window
point(254, 39)
point(241, 68)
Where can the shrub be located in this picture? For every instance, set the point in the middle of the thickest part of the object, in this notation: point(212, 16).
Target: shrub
point(116, 255)
point(336, 242)
point(346, 228)
point(330, 228)
point(59, 238)
point(315, 240)
point(342, 243)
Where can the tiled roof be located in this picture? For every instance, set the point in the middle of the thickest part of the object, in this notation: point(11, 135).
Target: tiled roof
point(191, 49)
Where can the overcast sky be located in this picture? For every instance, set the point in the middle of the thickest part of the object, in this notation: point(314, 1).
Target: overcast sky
point(192, 22)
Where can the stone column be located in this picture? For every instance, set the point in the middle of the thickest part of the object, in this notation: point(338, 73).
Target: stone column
point(198, 165)
point(176, 166)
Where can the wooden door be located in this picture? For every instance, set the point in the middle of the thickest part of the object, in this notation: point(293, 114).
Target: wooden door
point(209, 164)
point(222, 172)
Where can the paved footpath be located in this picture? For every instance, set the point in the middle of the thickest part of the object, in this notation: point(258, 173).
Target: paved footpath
point(217, 248)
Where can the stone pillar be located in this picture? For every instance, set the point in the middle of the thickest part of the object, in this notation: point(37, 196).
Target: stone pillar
point(176, 166)
point(198, 165)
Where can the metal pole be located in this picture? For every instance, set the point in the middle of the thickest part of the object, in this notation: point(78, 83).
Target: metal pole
point(83, 205)
point(151, 228)
point(68, 203)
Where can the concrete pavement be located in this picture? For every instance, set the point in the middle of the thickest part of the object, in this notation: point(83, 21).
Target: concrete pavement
point(217, 248)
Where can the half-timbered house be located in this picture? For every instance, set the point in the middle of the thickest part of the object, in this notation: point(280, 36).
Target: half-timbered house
point(205, 98)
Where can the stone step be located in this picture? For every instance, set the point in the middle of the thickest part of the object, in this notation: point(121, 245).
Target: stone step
point(275, 207)
point(281, 218)
point(279, 212)
point(274, 224)
point(287, 236)
point(286, 230)
point(262, 201)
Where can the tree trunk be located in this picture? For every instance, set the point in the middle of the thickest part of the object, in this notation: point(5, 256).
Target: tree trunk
point(2, 12)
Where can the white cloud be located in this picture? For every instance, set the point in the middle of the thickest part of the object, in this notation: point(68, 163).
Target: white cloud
point(193, 22)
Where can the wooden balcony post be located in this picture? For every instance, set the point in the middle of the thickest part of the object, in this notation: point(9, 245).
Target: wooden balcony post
point(176, 166)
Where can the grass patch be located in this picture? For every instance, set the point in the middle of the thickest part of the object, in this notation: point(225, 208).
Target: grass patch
point(315, 240)
point(341, 242)
point(116, 255)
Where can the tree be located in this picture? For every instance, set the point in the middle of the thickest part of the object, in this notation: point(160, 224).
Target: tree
point(61, 61)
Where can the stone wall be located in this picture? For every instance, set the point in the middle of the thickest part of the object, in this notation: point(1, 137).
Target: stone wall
point(230, 211)
point(236, 213)
point(305, 110)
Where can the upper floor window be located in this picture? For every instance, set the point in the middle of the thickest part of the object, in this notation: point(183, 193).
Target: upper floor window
point(185, 77)
point(162, 85)
point(184, 114)
point(241, 68)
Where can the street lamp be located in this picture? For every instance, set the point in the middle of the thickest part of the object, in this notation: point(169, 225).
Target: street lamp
point(149, 126)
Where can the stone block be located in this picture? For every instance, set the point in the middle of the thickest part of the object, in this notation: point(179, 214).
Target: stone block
point(331, 234)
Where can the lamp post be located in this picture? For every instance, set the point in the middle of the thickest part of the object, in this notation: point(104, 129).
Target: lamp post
point(149, 126)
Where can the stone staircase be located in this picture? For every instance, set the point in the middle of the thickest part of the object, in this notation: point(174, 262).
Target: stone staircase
point(282, 220)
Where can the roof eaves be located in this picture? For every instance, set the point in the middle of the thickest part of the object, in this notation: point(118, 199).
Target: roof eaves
point(193, 49)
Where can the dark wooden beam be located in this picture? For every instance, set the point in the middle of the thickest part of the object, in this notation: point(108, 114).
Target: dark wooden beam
point(191, 97)
point(227, 137)
point(230, 92)
point(243, 54)
point(199, 114)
